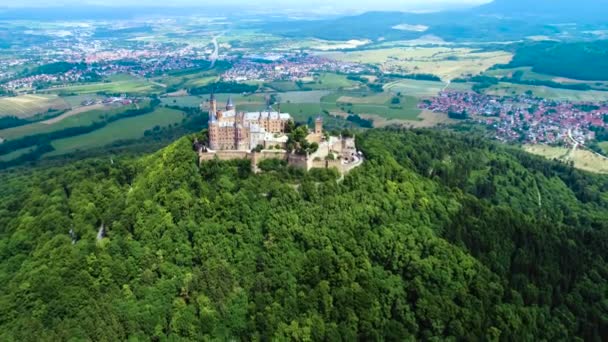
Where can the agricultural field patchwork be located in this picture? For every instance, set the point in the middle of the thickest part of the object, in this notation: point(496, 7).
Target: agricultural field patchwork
point(26, 106)
point(125, 129)
point(508, 89)
point(81, 119)
point(137, 86)
point(447, 63)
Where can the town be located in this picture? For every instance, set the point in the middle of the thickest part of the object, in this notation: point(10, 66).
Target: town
point(525, 118)
point(287, 67)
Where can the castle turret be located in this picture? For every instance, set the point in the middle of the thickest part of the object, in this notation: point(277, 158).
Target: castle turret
point(230, 104)
point(319, 125)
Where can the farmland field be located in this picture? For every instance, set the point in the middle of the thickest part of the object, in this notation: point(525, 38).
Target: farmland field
point(76, 100)
point(29, 105)
point(423, 88)
point(506, 89)
point(15, 154)
point(137, 86)
point(183, 101)
point(584, 160)
point(528, 74)
point(604, 146)
point(331, 81)
point(447, 63)
point(424, 120)
point(129, 128)
point(82, 119)
point(283, 86)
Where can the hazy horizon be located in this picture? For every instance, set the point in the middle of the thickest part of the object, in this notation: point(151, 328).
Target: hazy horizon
point(313, 5)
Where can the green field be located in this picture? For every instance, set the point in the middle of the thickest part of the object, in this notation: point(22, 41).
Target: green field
point(507, 89)
point(325, 81)
point(76, 100)
point(331, 81)
point(29, 105)
point(604, 146)
point(15, 154)
point(445, 62)
point(372, 104)
point(130, 128)
point(82, 119)
point(423, 88)
point(313, 96)
point(131, 86)
point(284, 86)
point(182, 101)
point(305, 104)
point(529, 75)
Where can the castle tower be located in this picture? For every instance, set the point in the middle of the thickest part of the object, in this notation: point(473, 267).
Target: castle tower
point(319, 125)
point(212, 105)
point(230, 104)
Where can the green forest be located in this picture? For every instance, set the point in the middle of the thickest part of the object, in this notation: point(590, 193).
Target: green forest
point(579, 60)
point(438, 236)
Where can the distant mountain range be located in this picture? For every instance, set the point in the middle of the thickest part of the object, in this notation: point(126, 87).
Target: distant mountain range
point(497, 21)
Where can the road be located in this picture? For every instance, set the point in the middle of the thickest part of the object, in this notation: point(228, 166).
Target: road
point(574, 144)
point(216, 51)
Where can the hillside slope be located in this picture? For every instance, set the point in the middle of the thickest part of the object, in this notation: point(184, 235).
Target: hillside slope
point(437, 236)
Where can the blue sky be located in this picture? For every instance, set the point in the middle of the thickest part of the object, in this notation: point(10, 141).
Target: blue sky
point(350, 5)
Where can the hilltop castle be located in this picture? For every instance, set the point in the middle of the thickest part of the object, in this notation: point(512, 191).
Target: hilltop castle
point(258, 136)
point(240, 131)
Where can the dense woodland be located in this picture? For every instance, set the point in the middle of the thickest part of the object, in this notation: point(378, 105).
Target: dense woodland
point(437, 236)
point(579, 60)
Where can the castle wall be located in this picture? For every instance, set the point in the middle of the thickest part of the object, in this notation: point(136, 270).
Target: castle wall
point(294, 160)
point(223, 155)
point(300, 161)
point(327, 164)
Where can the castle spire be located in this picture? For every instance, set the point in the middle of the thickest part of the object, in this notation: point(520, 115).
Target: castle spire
point(230, 103)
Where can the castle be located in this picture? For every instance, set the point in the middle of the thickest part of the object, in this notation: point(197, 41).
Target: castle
point(258, 136)
point(240, 131)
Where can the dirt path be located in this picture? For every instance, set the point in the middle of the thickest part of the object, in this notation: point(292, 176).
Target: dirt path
point(72, 112)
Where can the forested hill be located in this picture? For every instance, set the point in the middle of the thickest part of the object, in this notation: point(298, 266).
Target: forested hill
point(437, 236)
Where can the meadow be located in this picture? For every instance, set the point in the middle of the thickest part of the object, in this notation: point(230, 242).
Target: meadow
point(125, 129)
point(508, 89)
point(15, 154)
point(324, 81)
point(130, 86)
point(372, 104)
point(26, 106)
point(423, 89)
point(82, 119)
point(528, 74)
point(583, 159)
point(447, 63)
